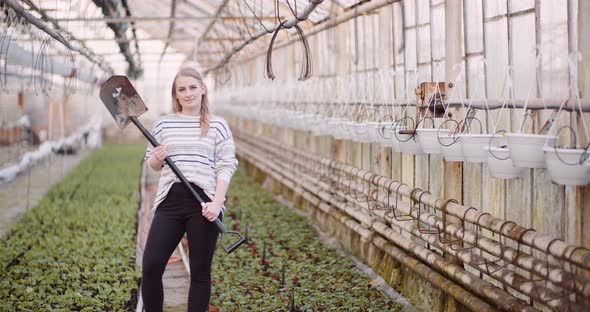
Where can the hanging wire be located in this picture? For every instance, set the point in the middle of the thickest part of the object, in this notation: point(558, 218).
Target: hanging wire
point(256, 16)
point(243, 19)
point(12, 21)
point(306, 68)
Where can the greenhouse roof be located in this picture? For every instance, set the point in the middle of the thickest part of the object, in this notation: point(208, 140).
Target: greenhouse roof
point(134, 34)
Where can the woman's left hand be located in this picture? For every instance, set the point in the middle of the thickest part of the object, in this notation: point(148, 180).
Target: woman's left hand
point(211, 210)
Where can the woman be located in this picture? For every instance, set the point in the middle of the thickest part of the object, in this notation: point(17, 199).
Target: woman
point(202, 147)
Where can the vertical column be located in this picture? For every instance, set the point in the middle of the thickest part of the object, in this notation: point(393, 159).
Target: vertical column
point(341, 68)
point(453, 171)
point(584, 48)
point(583, 192)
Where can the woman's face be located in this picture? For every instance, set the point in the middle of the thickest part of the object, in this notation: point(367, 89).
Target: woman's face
point(189, 93)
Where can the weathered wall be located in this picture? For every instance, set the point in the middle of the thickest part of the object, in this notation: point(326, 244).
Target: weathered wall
point(417, 40)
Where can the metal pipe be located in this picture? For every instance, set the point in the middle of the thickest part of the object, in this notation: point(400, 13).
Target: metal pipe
point(578, 256)
point(129, 19)
point(124, 40)
point(525, 261)
point(509, 254)
point(570, 104)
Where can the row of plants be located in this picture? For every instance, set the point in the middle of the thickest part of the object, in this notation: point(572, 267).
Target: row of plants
point(75, 251)
point(284, 266)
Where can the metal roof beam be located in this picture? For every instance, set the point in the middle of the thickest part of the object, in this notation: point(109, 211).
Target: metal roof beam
point(171, 27)
point(163, 39)
point(215, 17)
point(123, 19)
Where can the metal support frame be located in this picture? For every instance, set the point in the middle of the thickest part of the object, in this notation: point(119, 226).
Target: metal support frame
point(286, 24)
point(18, 9)
point(170, 28)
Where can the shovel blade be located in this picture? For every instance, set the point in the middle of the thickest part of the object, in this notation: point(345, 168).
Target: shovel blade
point(121, 99)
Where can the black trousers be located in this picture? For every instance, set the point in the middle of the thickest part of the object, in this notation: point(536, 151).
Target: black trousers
point(177, 214)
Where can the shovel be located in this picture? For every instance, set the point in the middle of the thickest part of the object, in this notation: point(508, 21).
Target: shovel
point(125, 105)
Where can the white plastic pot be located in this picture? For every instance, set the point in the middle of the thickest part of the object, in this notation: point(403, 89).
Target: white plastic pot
point(473, 144)
point(318, 127)
point(407, 143)
point(339, 130)
point(428, 139)
point(348, 130)
point(567, 170)
point(393, 141)
point(450, 147)
point(381, 135)
point(359, 132)
point(373, 131)
point(526, 150)
point(500, 164)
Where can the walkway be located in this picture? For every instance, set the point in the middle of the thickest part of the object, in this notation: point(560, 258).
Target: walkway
point(176, 278)
point(27, 189)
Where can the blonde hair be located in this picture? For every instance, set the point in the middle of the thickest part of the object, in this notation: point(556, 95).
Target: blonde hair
point(176, 107)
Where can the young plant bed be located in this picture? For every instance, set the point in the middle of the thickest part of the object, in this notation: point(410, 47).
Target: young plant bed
point(75, 251)
point(318, 277)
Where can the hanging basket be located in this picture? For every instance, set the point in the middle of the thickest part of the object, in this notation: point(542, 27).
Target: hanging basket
point(378, 134)
point(473, 146)
point(338, 128)
point(363, 132)
point(526, 150)
point(500, 164)
point(428, 139)
point(568, 166)
point(348, 130)
point(406, 139)
point(374, 131)
point(318, 127)
point(451, 147)
point(450, 144)
point(408, 143)
point(564, 167)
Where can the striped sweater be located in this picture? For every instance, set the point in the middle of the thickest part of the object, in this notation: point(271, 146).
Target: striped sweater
point(202, 160)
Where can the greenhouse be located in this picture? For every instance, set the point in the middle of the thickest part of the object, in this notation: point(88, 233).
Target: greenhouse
point(295, 155)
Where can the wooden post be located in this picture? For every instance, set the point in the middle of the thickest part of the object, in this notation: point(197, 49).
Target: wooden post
point(340, 150)
point(453, 171)
point(583, 192)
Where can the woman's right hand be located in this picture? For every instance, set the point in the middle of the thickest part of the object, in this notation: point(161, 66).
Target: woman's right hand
point(160, 153)
point(158, 156)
